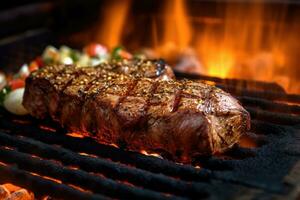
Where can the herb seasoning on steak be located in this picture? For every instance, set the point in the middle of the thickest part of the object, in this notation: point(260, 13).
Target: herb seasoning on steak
point(138, 108)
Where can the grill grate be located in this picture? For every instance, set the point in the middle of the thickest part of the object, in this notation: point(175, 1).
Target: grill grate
point(29, 148)
point(42, 157)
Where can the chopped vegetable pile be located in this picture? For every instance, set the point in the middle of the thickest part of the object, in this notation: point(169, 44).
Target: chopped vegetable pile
point(12, 87)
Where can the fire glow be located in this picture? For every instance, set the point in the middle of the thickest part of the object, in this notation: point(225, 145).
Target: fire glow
point(246, 41)
point(13, 192)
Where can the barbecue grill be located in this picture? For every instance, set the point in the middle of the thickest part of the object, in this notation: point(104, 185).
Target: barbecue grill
point(47, 160)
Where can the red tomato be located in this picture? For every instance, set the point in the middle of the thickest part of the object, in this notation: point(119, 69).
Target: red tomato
point(33, 66)
point(125, 54)
point(16, 83)
point(39, 61)
point(95, 49)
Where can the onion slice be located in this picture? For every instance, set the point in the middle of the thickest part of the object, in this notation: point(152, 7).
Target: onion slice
point(2, 81)
point(13, 102)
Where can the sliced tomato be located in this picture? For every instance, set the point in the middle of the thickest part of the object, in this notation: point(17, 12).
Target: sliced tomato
point(95, 49)
point(16, 83)
point(33, 66)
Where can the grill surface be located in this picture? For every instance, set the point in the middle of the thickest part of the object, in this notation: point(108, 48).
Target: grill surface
point(42, 157)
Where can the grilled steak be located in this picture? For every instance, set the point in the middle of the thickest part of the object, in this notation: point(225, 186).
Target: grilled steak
point(183, 118)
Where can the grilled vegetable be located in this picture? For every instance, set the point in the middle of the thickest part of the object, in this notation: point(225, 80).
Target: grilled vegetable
point(50, 55)
point(16, 83)
point(3, 93)
point(23, 72)
point(95, 50)
point(33, 66)
point(2, 81)
point(92, 55)
point(120, 53)
point(13, 102)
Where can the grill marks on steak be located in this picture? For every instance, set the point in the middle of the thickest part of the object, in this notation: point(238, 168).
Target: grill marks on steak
point(183, 118)
point(59, 77)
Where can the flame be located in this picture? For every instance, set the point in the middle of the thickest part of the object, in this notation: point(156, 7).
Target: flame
point(239, 50)
point(111, 29)
point(218, 64)
point(86, 154)
point(247, 142)
point(46, 128)
point(209, 82)
point(253, 47)
point(246, 41)
point(47, 177)
point(11, 187)
point(77, 135)
point(177, 29)
point(243, 40)
point(79, 188)
point(3, 164)
point(150, 154)
point(114, 145)
point(10, 191)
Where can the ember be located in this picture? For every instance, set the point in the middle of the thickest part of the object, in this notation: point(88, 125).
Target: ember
point(73, 134)
point(151, 154)
point(9, 191)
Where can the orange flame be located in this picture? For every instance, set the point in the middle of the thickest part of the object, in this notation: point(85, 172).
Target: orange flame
point(10, 191)
point(247, 142)
point(177, 28)
point(47, 177)
point(111, 29)
point(239, 50)
point(244, 41)
point(247, 43)
point(46, 128)
point(77, 135)
point(150, 154)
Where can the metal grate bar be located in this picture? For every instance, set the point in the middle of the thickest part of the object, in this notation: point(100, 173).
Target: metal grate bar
point(276, 118)
point(87, 145)
point(110, 169)
point(43, 186)
point(269, 105)
point(261, 127)
point(78, 177)
point(234, 83)
point(270, 95)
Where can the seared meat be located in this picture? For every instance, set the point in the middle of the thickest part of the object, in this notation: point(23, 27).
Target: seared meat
point(183, 118)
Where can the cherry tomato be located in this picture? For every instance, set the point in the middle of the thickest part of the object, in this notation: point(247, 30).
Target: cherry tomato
point(33, 66)
point(95, 49)
point(16, 83)
point(39, 61)
point(119, 53)
point(125, 54)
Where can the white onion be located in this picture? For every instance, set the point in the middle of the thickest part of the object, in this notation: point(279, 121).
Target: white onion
point(51, 53)
point(66, 60)
point(24, 71)
point(83, 60)
point(65, 51)
point(13, 102)
point(2, 81)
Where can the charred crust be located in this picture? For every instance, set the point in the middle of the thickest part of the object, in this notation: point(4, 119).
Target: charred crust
point(170, 115)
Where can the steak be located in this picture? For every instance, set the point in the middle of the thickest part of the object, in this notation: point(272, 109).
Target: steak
point(137, 109)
